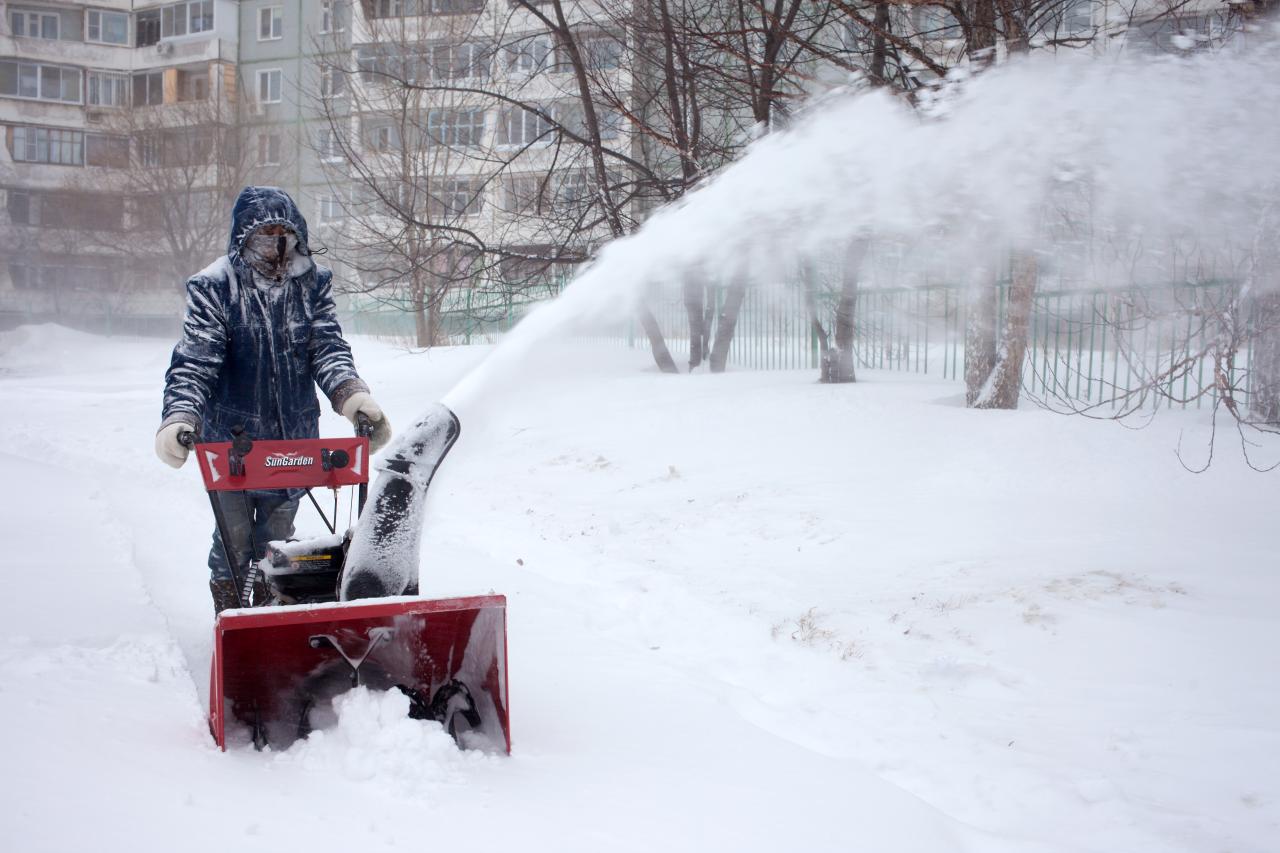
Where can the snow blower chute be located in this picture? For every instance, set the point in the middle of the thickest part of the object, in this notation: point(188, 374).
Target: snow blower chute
point(321, 616)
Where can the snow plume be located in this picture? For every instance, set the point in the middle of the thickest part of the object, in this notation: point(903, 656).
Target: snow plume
point(1140, 154)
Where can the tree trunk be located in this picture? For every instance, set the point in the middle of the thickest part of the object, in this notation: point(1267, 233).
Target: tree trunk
point(809, 280)
point(1264, 379)
point(435, 318)
point(695, 300)
point(841, 369)
point(980, 336)
point(421, 323)
point(982, 33)
point(726, 323)
point(657, 345)
point(879, 45)
point(1005, 384)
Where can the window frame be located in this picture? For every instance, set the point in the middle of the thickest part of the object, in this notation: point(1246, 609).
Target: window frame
point(150, 77)
point(187, 14)
point(67, 142)
point(329, 74)
point(336, 211)
point(265, 74)
point(528, 56)
point(331, 14)
point(502, 138)
point(102, 15)
point(37, 73)
point(266, 143)
point(442, 121)
point(117, 78)
point(41, 18)
point(273, 17)
point(328, 149)
point(454, 187)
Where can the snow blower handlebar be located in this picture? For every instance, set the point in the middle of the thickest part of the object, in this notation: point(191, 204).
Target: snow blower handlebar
point(243, 464)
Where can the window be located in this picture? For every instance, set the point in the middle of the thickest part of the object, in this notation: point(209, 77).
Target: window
point(63, 277)
point(331, 16)
point(528, 55)
point(102, 150)
point(48, 145)
point(456, 61)
point(333, 83)
point(173, 21)
point(329, 145)
point(386, 9)
point(147, 31)
point(520, 127)
point(35, 25)
point(330, 208)
point(148, 88)
point(201, 16)
point(573, 119)
point(600, 51)
point(269, 86)
point(936, 22)
point(107, 88)
point(270, 23)
point(107, 27)
point(525, 193)
point(268, 149)
point(451, 197)
point(381, 135)
point(21, 209)
point(456, 127)
point(186, 147)
point(149, 150)
point(1078, 17)
point(38, 81)
point(87, 211)
point(193, 85)
point(186, 18)
point(374, 63)
point(573, 189)
point(452, 7)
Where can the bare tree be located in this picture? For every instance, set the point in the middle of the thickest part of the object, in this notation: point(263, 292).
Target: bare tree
point(182, 168)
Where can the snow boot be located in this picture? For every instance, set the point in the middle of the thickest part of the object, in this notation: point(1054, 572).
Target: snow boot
point(224, 595)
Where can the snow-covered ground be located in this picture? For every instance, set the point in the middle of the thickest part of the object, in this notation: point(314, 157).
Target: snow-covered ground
point(746, 612)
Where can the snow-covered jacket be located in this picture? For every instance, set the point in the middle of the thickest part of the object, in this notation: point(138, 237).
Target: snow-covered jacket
point(250, 355)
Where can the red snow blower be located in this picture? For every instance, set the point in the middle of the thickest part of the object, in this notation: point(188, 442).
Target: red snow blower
point(320, 616)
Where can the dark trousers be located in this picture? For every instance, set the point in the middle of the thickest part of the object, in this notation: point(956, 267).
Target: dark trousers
point(253, 519)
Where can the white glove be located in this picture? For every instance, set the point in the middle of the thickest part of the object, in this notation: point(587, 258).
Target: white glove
point(170, 450)
point(362, 403)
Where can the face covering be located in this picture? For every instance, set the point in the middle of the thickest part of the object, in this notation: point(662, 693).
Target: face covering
point(269, 254)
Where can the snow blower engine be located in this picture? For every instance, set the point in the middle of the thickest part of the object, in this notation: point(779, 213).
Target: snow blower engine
point(320, 616)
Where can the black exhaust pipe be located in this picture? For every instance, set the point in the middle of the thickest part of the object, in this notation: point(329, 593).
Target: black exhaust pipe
point(383, 557)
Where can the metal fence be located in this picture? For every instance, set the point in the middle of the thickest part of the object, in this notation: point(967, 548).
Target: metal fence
point(1113, 348)
point(468, 316)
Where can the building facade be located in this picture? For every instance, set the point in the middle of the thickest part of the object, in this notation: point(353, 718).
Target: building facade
point(126, 122)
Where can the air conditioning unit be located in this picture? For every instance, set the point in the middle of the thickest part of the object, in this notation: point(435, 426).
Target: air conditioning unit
point(94, 116)
point(256, 109)
point(164, 48)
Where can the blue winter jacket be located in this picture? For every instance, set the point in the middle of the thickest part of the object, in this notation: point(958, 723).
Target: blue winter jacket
point(250, 355)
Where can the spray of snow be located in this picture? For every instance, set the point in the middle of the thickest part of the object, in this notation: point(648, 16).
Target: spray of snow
point(1158, 149)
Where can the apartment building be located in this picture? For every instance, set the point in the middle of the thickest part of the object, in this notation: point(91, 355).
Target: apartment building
point(100, 103)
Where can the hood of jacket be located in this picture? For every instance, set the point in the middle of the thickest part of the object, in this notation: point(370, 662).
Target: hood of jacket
point(259, 206)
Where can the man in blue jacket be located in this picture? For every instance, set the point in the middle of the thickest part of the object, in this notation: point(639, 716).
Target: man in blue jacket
point(260, 333)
